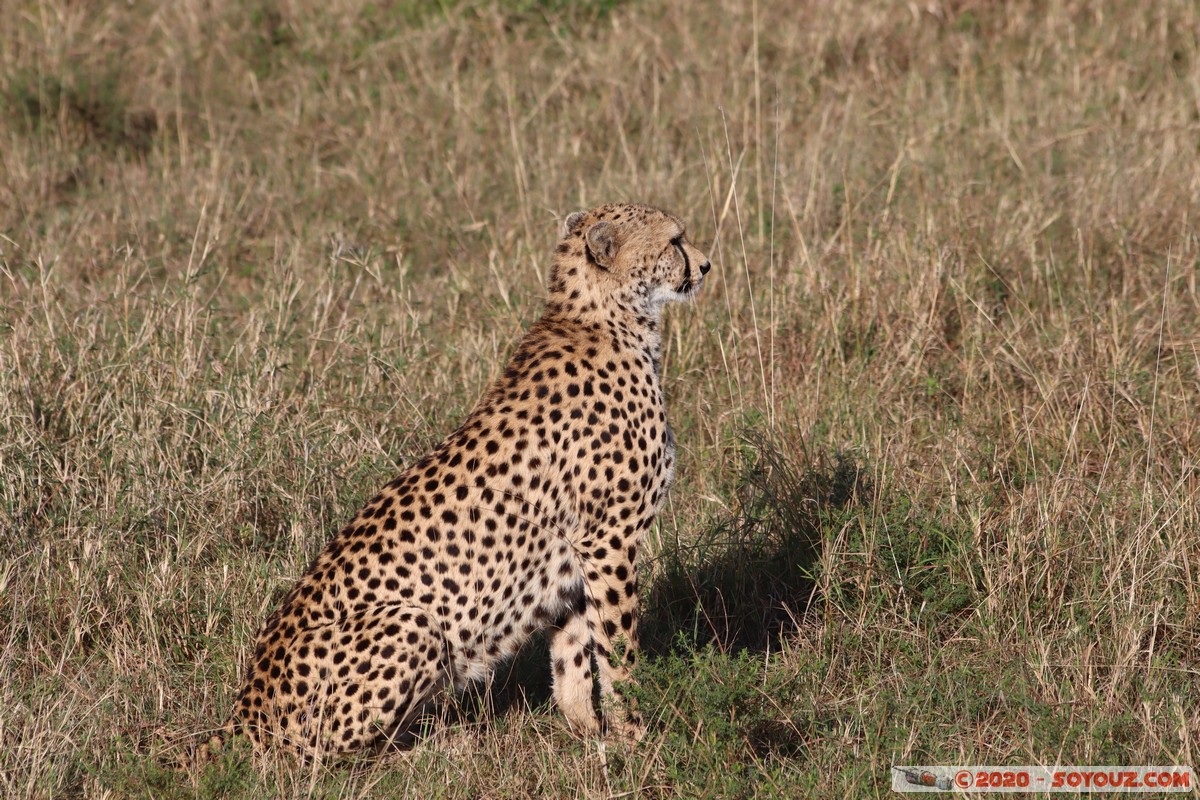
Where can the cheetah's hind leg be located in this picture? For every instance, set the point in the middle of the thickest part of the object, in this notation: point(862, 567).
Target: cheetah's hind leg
point(360, 680)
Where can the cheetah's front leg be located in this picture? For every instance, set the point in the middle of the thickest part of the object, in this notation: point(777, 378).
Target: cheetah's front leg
point(612, 600)
point(571, 669)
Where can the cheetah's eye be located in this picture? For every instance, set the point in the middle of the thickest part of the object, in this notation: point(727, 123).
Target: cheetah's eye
point(677, 241)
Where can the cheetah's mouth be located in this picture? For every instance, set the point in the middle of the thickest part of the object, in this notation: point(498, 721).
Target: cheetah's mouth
point(685, 290)
point(689, 287)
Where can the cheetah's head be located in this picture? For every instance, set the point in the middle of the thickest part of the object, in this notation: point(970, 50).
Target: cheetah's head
point(632, 256)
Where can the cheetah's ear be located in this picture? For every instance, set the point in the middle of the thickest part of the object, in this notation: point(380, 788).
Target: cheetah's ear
point(602, 244)
point(572, 222)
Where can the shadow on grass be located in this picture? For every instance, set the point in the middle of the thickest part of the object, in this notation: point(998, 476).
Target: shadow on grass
point(748, 578)
point(739, 585)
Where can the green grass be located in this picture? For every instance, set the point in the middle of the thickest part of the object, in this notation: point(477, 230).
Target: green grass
point(936, 408)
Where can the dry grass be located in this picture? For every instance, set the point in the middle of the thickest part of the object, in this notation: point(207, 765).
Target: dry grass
point(256, 255)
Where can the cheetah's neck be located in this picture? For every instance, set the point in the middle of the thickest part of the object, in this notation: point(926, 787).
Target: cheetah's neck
point(631, 333)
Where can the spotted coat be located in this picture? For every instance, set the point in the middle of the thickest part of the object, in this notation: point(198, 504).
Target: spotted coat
point(528, 516)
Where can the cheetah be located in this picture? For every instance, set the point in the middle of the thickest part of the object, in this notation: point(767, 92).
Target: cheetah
point(527, 517)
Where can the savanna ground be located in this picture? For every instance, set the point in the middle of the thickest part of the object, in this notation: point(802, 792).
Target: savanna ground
point(937, 406)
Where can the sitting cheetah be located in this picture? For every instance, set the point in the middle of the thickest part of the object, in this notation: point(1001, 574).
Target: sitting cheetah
point(526, 517)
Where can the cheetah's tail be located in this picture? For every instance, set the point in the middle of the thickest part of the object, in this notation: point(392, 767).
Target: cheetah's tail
point(208, 751)
point(202, 753)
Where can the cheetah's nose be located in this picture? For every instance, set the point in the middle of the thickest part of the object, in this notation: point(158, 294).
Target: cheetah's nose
point(705, 267)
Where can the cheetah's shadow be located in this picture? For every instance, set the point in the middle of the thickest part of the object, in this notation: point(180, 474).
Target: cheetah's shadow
point(741, 583)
